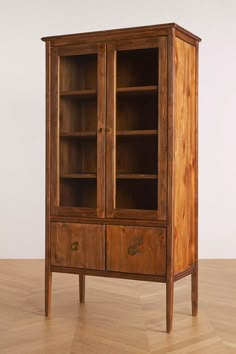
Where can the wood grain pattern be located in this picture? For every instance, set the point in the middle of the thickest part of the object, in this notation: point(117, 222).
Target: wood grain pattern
point(136, 249)
point(185, 157)
point(101, 147)
point(170, 185)
point(108, 221)
point(54, 128)
point(124, 33)
point(48, 273)
point(89, 251)
point(111, 124)
point(59, 246)
point(109, 274)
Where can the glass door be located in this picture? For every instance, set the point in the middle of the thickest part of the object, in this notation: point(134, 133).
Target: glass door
point(137, 129)
point(78, 120)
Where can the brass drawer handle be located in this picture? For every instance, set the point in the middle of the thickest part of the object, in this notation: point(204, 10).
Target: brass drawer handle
point(133, 250)
point(137, 246)
point(75, 246)
point(99, 130)
point(108, 130)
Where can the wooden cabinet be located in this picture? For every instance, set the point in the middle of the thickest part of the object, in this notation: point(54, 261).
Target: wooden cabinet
point(121, 156)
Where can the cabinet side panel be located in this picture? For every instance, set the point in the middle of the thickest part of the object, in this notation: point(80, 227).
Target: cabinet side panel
point(185, 156)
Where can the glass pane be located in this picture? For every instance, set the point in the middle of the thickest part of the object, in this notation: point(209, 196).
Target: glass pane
point(78, 115)
point(137, 129)
point(136, 194)
point(78, 131)
point(78, 193)
point(137, 112)
point(136, 154)
point(137, 67)
point(78, 72)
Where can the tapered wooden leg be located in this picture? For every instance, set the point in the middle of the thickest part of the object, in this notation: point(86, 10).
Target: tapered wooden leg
point(82, 288)
point(195, 292)
point(169, 304)
point(48, 291)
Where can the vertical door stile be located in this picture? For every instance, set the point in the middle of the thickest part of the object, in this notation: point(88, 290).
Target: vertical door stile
point(162, 130)
point(110, 130)
point(55, 131)
point(101, 146)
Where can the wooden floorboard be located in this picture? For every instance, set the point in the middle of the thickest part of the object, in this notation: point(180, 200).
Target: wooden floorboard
point(118, 317)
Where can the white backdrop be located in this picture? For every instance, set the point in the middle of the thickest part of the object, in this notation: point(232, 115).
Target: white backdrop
point(23, 23)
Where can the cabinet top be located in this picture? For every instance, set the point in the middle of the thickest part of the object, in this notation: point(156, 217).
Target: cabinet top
point(124, 33)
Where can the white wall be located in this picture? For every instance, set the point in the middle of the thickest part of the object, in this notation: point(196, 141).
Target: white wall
point(22, 23)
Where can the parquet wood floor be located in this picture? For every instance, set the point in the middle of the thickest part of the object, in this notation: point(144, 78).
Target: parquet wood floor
point(119, 316)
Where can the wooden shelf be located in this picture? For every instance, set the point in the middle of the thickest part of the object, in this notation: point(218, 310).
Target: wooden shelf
point(135, 176)
point(137, 90)
point(79, 93)
point(78, 134)
point(79, 175)
point(136, 132)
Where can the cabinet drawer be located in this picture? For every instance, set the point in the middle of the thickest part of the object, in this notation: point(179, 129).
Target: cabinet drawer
point(134, 249)
point(78, 245)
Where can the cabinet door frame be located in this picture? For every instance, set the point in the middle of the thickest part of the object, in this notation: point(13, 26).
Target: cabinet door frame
point(112, 48)
point(56, 209)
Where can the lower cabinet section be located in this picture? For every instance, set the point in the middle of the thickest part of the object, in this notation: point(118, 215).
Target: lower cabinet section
point(129, 249)
point(138, 249)
point(78, 245)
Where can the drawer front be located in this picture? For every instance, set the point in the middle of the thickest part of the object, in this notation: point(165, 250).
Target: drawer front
point(78, 245)
point(134, 249)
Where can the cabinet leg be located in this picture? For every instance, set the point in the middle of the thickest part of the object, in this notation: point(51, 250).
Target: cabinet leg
point(48, 291)
point(82, 288)
point(194, 278)
point(169, 304)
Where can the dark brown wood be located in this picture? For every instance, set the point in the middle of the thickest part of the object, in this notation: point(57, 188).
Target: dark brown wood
point(78, 175)
point(194, 291)
point(185, 273)
point(111, 123)
point(169, 304)
point(78, 134)
point(48, 272)
point(110, 274)
point(132, 32)
point(137, 90)
point(101, 147)
point(170, 236)
point(79, 93)
point(137, 113)
point(78, 245)
point(82, 288)
point(195, 272)
point(121, 157)
point(136, 132)
point(86, 48)
point(135, 176)
point(108, 221)
point(54, 128)
point(133, 249)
